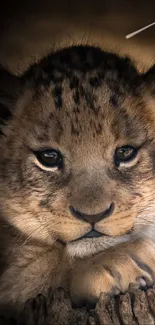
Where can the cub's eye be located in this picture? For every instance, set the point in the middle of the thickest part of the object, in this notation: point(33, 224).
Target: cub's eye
point(124, 154)
point(50, 158)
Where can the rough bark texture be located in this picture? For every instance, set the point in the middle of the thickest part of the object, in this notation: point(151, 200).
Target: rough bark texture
point(135, 307)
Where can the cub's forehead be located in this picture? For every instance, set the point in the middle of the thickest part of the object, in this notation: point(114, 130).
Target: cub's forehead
point(92, 118)
point(83, 92)
point(84, 70)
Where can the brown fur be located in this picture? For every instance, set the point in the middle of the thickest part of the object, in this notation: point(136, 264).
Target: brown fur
point(85, 103)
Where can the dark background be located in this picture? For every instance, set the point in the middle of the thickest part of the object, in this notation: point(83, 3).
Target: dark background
point(29, 29)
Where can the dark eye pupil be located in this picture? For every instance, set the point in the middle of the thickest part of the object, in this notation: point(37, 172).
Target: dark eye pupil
point(125, 154)
point(50, 158)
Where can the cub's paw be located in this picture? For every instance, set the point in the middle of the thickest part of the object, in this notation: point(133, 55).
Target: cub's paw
point(113, 271)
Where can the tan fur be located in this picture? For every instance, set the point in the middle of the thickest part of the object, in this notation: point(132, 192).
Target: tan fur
point(34, 201)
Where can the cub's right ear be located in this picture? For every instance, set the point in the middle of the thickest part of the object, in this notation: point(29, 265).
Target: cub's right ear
point(10, 89)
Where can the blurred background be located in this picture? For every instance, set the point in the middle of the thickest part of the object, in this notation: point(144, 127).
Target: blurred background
point(30, 29)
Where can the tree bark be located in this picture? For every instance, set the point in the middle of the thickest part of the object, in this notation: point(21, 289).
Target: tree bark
point(136, 307)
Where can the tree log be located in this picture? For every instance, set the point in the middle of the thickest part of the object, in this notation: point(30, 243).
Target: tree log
point(135, 307)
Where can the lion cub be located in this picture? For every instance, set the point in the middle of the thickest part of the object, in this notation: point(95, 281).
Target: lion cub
point(77, 177)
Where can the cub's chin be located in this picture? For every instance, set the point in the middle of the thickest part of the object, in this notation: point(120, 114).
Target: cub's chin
point(92, 244)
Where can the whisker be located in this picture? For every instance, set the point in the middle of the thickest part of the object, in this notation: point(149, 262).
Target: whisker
point(40, 227)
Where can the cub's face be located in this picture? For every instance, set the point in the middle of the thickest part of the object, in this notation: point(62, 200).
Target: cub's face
point(78, 155)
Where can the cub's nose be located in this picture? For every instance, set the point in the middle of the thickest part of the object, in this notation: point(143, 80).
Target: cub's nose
point(92, 218)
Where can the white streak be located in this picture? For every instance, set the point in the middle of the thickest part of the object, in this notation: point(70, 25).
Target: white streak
point(139, 31)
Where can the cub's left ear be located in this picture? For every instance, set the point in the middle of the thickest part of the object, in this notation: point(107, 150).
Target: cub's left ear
point(10, 89)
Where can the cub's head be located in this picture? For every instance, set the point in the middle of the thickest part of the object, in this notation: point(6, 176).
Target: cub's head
point(77, 163)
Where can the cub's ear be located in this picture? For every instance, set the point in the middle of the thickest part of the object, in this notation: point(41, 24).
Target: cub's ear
point(10, 89)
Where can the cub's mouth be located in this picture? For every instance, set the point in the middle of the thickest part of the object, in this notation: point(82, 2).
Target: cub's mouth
point(96, 234)
point(93, 242)
point(91, 234)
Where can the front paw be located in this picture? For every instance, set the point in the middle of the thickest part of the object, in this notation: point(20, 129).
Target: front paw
point(87, 285)
point(113, 271)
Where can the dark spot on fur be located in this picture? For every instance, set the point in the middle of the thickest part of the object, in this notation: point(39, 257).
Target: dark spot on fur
point(57, 94)
point(5, 115)
point(95, 82)
point(74, 82)
point(114, 100)
point(59, 126)
point(67, 113)
point(99, 129)
point(76, 97)
point(51, 116)
point(76, 109)
point(90, 99)
point(82, 91)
